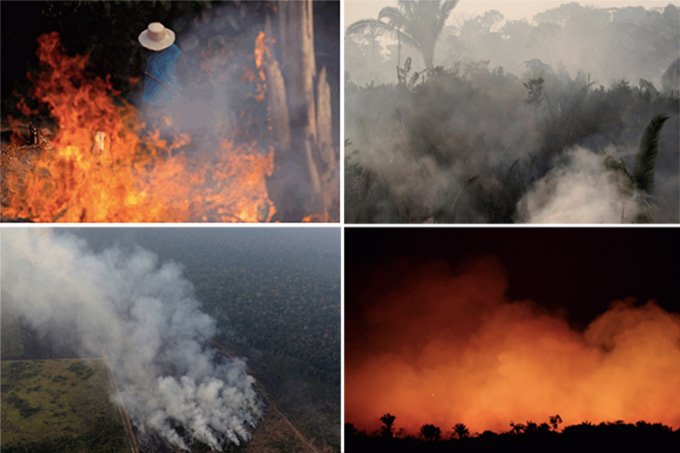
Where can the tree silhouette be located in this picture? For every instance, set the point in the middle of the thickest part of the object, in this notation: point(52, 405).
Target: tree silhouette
point(460, 431)
point(350, 430)
point(388, 420)
point(555, 421)
point(416, 22)
point(534, 91)
point(528, 436)
point(517, 428)
point(430, 432)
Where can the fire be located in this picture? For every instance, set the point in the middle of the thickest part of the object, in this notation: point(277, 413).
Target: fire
point(446, 349)
point(101, 165)
point(261, 54)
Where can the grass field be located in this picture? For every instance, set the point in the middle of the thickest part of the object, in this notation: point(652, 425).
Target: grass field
point(59, 405)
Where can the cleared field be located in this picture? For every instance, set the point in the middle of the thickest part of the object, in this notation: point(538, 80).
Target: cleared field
point(59, 405)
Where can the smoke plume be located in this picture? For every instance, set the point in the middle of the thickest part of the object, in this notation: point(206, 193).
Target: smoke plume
point(582, 191)
point(142, 315)
point(448, 347)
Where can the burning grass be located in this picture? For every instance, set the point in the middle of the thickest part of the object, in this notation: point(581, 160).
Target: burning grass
point(99, 162)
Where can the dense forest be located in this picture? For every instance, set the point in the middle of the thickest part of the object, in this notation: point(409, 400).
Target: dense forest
point(561, 119)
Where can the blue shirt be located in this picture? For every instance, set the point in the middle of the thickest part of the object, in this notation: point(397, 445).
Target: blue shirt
point(162, 66)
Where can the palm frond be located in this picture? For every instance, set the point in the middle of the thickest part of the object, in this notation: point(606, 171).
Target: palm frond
point(445, 11)
point(447, 7)
point(643, 176)
point(361, 26)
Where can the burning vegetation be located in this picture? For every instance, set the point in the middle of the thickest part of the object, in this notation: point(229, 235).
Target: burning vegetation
point(83, 152)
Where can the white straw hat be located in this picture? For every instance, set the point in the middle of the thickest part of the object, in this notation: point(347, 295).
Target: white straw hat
point(156, 37)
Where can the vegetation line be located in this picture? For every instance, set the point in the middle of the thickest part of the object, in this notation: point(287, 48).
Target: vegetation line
point(132, 440)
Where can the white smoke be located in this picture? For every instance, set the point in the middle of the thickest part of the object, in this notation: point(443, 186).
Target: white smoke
point(582, 191)
point(143, 316)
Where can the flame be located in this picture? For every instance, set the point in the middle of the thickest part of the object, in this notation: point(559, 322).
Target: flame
point(261, 52)
point(101, 165)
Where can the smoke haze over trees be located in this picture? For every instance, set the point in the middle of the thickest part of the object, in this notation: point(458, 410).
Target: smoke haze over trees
point(141, 315)
point(518, 121)
point(269, 296)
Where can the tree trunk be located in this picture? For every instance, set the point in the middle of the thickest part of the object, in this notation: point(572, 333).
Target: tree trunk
point(307, 171)
point(427, 51)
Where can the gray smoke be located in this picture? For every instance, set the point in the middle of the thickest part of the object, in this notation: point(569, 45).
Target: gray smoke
point(215, 47)
point(488, 135)
point(582, 191)
point(143, 316)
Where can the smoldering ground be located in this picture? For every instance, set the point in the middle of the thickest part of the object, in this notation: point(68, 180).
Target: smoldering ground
point(447, 345)
point(473, 141)
point(143, 316)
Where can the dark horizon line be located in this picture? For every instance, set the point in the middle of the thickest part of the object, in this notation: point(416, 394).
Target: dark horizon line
point(515, 428)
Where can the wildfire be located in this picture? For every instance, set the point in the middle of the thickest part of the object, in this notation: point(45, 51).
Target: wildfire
point(441, 348)
point(102, 165)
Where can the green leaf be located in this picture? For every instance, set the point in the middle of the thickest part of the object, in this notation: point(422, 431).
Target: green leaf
point(643, 176)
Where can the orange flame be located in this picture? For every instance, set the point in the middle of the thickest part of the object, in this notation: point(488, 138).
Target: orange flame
point(261, 54)
point(100, 166)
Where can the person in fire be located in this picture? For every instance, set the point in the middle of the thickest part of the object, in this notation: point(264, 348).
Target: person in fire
point(162, 61)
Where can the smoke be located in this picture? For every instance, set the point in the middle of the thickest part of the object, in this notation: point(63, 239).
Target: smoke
point(448, 347)
point(469, 140)
point(582, 191)
point(632, 43)
point(142, 315)
point(225, 94)
point(216, 48)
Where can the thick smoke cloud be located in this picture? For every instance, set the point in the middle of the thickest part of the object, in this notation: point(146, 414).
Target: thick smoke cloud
point(448, 347)
point(142, 315)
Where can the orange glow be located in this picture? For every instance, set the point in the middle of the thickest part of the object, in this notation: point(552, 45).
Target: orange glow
point(101, 166)
point(262, 52)
point(449, 348)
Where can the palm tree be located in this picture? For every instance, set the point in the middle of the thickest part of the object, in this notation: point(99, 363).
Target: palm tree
point(430, 432)
point(416, 22)
point(388, 420)
point(460, 431)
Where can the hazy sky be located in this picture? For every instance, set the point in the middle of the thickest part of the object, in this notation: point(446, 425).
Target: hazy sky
point(511, 9)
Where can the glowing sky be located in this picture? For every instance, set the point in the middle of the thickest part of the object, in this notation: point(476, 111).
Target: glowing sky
point(450, 329)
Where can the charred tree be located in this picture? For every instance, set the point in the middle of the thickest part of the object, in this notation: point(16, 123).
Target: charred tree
point(306, 176)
